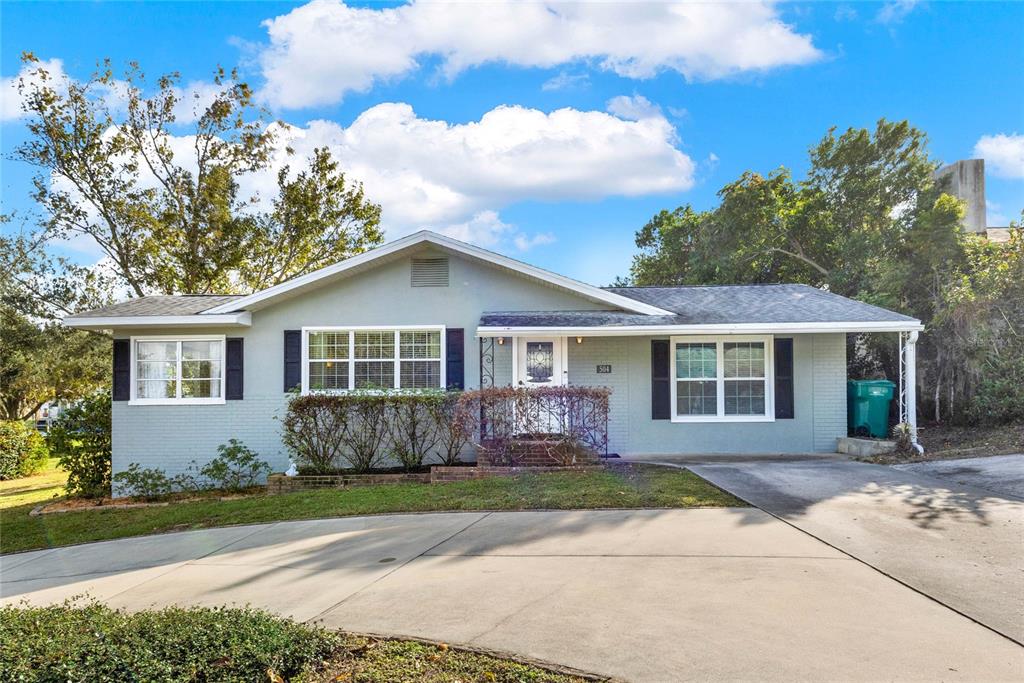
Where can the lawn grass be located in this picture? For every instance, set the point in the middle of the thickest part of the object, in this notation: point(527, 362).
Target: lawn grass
point(625, 486)
point(39, 488)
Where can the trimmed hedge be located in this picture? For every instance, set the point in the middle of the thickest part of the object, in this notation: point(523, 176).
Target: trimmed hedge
point(361, 431)
point(96, 643)
point(23, 450)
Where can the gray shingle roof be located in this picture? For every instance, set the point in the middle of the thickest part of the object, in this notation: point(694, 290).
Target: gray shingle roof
point(186, 304)
point(730, 304)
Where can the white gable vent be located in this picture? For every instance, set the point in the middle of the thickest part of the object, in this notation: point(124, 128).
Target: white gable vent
point(430, 272)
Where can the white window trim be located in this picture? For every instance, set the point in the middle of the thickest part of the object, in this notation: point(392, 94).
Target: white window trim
point(133, 398)
point(352, 329)
point(769, 372)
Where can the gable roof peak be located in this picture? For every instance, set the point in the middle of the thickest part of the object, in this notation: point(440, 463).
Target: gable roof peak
point(367, 259)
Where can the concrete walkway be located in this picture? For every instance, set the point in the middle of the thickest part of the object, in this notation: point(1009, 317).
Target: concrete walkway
point(645, 595)
point(963, 546)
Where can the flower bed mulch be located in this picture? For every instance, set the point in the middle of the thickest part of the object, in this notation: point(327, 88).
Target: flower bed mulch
point(128, 502)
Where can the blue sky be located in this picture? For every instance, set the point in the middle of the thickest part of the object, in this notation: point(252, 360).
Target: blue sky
point(553, 140)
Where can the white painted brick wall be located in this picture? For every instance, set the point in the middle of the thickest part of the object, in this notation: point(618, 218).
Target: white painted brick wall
point(170, 437)
point(583, 361)
point(829, 386)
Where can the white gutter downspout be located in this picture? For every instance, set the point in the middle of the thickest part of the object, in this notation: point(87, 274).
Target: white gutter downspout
point(910, 386)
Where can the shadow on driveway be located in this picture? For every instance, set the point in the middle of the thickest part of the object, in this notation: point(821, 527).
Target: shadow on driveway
point(961, 545)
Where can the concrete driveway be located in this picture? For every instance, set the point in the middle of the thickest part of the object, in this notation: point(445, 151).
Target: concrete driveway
point(645, 595)
point(959, 544)
point(1001, 474)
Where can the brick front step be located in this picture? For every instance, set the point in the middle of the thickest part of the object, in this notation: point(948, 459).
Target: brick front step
point(535, 453)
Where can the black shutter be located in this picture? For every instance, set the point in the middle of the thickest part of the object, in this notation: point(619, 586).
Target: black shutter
point(122, 370)
point(784, 409)
point(661, 395)
point(455, 357)
point(233, 368)
point(292, 359)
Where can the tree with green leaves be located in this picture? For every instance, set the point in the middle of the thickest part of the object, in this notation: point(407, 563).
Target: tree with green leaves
point(855, 204)
point(160, 197)
point(869, 221)
point(41, 360)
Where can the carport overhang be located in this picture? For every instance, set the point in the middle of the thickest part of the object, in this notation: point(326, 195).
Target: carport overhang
point(709, 328)
point(906, 330)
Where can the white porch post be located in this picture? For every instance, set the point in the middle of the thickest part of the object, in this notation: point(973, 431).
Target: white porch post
point(910, 386)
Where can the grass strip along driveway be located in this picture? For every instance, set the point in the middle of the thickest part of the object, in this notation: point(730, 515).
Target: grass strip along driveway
point(624, 486)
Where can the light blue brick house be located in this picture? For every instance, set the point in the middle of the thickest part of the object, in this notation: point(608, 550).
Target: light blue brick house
point(734, 369)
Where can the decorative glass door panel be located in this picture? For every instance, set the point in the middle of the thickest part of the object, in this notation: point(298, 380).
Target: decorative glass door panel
point(540, 362)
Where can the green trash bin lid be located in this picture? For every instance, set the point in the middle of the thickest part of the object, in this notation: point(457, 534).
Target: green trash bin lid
point(863, 388)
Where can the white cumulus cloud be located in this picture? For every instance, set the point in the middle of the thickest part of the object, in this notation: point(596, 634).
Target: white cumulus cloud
point(10, 97)
point(457, 177)
point(194, 99)
point(324, 49)
point(1003, 154)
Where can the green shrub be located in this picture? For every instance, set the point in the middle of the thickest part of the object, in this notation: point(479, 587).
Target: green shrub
point(143, 482)
point(903, 434)
point(236, 468)
point(999, 398)
point(23, 450)
point(80, 437)
point(95, 643)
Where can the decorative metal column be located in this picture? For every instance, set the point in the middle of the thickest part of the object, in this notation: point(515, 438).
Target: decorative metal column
point(908, 384)
point(486, 362)
point(486, 378)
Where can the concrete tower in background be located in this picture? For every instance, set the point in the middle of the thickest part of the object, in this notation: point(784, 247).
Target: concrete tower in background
point(966, 180)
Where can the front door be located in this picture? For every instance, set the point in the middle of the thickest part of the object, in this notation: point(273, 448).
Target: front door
point(540, 362)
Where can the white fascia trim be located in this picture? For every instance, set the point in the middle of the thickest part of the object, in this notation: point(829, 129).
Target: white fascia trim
point(243, 319)
point(581, 288)
point(737, 328)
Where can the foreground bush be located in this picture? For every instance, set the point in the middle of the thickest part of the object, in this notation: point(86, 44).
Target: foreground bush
point(96, 643)
point(23, 450)
point(81, 439)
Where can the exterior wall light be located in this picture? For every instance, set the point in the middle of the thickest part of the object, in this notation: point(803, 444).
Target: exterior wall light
point(579, 340)
point(501, 341)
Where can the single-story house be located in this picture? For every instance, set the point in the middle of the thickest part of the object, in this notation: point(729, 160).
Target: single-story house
point(723, 369)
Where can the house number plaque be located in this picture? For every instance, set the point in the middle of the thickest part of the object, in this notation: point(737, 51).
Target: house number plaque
point(604, 369)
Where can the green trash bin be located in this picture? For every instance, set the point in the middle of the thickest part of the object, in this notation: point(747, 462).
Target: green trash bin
point(867, 406)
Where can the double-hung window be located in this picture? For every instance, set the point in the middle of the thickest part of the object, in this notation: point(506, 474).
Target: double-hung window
point(722, 379)
point(177, 370)
point(338, 359)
